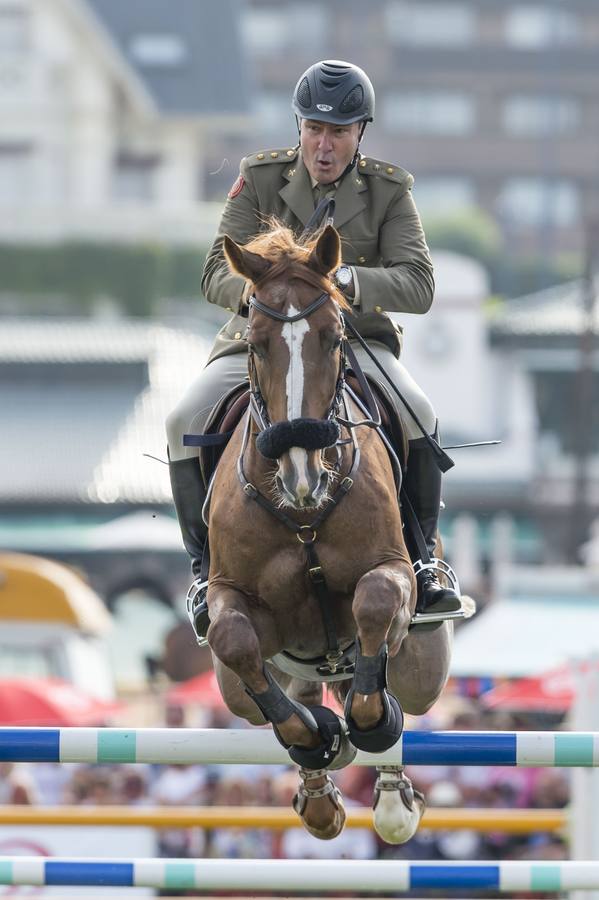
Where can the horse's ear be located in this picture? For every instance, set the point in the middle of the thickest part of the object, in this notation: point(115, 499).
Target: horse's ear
point(326, 255)
point(250, 265)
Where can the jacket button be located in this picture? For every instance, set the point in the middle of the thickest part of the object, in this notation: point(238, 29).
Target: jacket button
point(390, 170)
point(290, 152)
point(260, 156)
point(378, 309)
point(274, 154)
point(361, 259)
point(238, 335)
point(362, 163)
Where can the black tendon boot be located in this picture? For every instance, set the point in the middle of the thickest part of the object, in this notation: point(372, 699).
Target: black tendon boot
point(422, 485)
point(189, 495)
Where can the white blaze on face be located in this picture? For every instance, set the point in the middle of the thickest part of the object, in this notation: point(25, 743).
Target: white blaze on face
point(294, 334)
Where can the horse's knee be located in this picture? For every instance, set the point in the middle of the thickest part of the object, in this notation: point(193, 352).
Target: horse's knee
point(232, 638)
point(379, 596)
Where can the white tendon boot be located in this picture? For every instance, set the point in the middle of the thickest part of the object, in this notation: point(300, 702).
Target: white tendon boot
point(398, 808)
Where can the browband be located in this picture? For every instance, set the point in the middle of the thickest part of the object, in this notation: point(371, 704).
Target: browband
point(281, 317)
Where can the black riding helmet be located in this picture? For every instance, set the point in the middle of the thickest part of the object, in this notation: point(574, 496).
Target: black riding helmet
point(336, 92)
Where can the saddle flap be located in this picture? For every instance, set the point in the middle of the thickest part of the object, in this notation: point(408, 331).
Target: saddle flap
point(223, 419)
point(390, 421)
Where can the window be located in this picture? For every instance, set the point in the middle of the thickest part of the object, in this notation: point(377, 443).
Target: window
point(158, 50)
point(14, 29)
point(429, 113)
point(441, 196)
point(532, 27)
point(16, 174)
point(433, 24)
point(537, 115)
point(271, 31)
point(538, 202)
point(134, 178)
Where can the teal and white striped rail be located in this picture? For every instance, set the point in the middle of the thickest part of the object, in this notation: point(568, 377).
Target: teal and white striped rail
point(259, 746)
point(301, 875)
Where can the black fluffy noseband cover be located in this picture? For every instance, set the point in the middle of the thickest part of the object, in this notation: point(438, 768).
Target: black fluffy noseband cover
point(310, 434)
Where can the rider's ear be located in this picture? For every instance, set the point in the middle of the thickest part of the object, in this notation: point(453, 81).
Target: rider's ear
point(250, 265)
point(326, 255)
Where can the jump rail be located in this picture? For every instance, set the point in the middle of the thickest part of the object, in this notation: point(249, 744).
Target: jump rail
point(523, 821)
point(259, 746)
point(302, 875)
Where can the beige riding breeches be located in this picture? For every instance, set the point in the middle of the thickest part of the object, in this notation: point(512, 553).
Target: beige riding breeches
point(217, 378)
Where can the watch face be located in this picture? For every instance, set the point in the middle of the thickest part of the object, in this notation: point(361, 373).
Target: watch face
point(343, 276)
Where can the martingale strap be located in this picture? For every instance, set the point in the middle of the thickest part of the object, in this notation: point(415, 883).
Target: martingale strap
point(307, 535)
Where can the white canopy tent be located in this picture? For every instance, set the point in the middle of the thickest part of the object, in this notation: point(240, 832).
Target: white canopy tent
point(541, 619)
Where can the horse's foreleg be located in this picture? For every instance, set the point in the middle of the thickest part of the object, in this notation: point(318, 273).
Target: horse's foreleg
point(248, 689)
point(382, 609)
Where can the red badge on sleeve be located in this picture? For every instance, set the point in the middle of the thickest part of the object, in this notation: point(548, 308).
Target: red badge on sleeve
point(237, 187)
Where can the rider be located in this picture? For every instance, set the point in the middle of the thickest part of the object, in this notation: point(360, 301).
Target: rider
point(386, 266)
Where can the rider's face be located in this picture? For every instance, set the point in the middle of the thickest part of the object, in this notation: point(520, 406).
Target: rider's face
point(327, 149)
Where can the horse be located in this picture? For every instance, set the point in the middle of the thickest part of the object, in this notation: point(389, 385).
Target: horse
point(310, 580)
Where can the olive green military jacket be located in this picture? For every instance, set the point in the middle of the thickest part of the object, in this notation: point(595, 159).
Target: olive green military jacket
point(377, 220)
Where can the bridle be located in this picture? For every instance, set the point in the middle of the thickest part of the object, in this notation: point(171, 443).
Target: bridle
point(258, 409)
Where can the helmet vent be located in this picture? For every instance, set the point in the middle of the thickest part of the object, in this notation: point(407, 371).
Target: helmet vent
point(304, 97)
point(353, 100)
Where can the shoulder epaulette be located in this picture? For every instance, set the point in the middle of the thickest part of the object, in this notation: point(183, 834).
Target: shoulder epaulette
point(369, 166)
point(272, 156)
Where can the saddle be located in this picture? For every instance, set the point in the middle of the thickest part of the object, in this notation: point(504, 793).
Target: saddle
point(227, 413)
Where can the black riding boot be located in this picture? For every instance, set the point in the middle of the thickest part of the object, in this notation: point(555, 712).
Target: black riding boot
point(189, 495)
point(423, 486)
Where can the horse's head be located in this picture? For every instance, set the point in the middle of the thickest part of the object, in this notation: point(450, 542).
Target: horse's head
point(295, 332)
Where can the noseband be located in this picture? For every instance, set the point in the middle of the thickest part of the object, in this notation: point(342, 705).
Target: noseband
point(310, 434)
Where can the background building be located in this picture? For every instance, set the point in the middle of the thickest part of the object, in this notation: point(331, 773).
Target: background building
point(489, 104)
point(105, 113)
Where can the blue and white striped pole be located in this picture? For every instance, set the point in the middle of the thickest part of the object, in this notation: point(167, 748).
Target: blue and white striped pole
point(258, 746)
point(302, 875)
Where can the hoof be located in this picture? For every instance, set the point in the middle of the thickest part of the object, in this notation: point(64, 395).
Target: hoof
point(398, 808)
point(384, 735)
point(320, 809)
point(334, 752)
point(370, 677)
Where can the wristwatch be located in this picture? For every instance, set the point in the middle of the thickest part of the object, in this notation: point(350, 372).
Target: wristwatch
point(343, 277)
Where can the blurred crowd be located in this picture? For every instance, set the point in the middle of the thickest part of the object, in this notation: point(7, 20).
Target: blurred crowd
point(49, 784)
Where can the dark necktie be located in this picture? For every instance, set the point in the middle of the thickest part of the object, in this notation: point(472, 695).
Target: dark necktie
point(321, 191)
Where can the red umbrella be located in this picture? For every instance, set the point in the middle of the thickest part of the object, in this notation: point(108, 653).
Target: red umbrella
point(551, 692)
point(50, 701)
point(203, 690)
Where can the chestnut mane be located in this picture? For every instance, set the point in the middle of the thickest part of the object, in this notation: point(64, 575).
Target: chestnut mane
point(289, 259)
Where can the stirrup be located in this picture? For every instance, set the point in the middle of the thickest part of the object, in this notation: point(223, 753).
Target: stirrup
point(305, 793)
point(440, 567)
point(196, 598)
